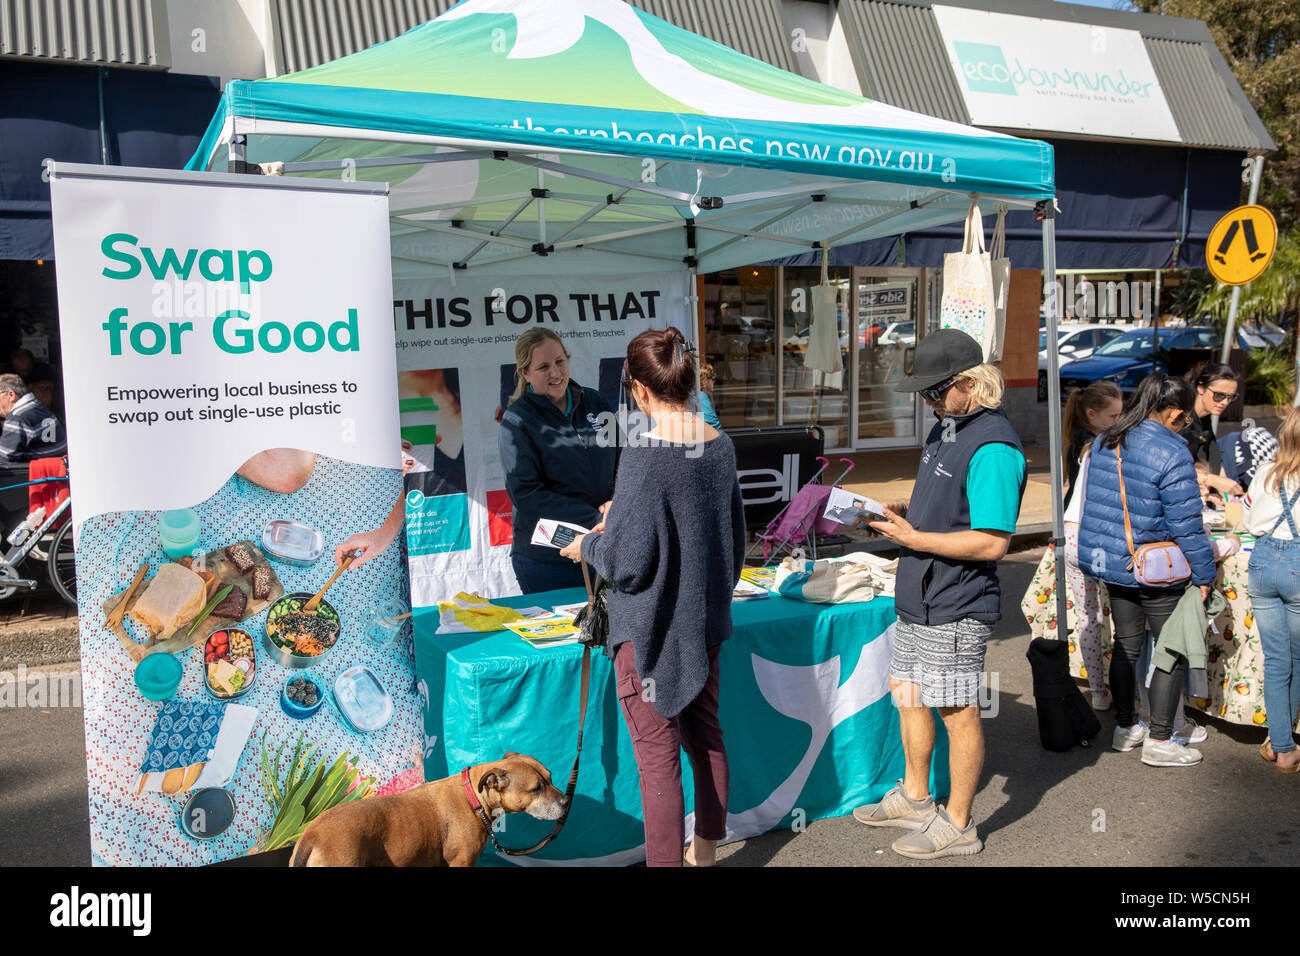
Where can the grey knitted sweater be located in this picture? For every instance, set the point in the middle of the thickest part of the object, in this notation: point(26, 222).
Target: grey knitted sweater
point(672, 550)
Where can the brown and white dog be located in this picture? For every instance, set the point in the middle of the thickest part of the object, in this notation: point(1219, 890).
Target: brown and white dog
point(433, 824)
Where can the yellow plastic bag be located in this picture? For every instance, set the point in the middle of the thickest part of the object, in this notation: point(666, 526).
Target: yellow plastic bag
point(470, 612)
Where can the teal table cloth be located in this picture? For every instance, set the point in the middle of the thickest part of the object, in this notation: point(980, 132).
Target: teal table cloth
point(809, 727)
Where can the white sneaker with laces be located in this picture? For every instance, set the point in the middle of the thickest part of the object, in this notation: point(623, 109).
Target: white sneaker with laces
point(1101, 701)
point(1190, 732)
point(1169, 753)
point(1128, 738)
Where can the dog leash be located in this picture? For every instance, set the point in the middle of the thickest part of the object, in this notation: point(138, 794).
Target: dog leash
point(568, 792)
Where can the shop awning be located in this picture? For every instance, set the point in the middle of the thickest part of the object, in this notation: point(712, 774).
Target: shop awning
point(1123, 206)
point(515, 130)
point(150, 118)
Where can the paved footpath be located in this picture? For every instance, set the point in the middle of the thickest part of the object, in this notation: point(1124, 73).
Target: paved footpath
point(1088, 807)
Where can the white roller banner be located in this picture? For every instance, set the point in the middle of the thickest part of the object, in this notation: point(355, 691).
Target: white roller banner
point(456, 365)
point(233, 434)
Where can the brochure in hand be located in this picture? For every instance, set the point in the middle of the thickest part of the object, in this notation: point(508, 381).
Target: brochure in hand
point(848, 508)
point(551, 533)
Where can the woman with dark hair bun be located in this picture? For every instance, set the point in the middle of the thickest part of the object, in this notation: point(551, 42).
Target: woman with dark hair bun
point(1216, 387)
point(671, 547)
point(1157, 498)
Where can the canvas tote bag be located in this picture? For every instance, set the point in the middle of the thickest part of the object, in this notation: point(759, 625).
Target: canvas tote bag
point(1001, 268)
point(968, 297)
point(827, 581)
point(823, 353)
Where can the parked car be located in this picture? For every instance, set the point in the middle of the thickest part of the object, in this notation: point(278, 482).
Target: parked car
point(798, 342)
point(1073, 342)
point(898, 333)
point(1127, 359)
point(1263, 334)
point(1255, 333)
point(740, 334)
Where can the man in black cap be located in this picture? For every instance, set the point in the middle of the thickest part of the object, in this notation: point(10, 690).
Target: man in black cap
point(951, 534)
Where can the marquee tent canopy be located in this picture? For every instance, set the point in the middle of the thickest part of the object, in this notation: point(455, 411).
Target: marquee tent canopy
point(511, 131)
point(584, 137)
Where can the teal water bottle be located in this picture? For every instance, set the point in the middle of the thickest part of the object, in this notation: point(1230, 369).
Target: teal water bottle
point(178, 531)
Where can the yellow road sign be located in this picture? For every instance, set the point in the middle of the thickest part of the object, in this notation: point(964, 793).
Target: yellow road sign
point(1241, 245)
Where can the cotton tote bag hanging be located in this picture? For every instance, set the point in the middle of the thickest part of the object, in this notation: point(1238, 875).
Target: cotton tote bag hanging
point(1001, 269)
point(823, 353)
point(968, 297)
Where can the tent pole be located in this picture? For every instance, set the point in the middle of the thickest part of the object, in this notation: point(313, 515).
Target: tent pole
point(236, 154)
point(541, 208)
point(1051, 306)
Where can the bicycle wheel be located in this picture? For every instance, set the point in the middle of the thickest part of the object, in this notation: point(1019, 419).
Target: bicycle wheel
point(63, 565)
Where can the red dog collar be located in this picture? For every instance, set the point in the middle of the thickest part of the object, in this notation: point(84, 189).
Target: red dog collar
point(474, 803)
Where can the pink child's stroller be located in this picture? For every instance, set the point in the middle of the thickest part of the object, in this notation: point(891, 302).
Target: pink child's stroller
point(800, 522)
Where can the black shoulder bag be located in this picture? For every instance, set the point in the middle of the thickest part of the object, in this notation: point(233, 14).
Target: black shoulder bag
point(593, 620)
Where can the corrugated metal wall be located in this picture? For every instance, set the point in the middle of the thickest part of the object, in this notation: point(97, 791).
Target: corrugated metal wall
point(107, 32)
point(900, 59)
point(1200, 103)
point(311, 32)
point(754, 27)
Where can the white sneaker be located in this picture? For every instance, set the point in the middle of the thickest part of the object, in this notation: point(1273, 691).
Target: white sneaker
point(1101, 701)
point(1169, 753)
point(1190, 732)
point(1128, 738)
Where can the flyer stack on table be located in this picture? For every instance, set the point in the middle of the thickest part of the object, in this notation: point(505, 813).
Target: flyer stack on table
point(1236, 660)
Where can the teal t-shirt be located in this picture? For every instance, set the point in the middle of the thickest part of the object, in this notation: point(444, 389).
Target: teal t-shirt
point(994, 479)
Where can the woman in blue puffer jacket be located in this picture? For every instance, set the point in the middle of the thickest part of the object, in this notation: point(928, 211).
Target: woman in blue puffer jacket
point(1164, 504)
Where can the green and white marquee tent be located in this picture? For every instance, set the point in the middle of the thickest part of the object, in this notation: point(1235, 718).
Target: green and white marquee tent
point(584, 137)
point(515, 130)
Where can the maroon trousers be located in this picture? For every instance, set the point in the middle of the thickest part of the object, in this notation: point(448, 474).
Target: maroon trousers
point(657, 743)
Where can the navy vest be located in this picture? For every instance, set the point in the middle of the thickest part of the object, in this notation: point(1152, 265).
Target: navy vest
point(933, 590)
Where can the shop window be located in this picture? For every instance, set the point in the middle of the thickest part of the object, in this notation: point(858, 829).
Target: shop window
point(739, 342)
point(888, 315)
point(29, 324)
point(811, 396)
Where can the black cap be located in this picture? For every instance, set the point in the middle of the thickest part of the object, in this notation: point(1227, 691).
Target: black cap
point(938, 357)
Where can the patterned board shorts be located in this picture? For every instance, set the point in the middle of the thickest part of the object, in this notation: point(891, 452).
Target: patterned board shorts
point(945, 660)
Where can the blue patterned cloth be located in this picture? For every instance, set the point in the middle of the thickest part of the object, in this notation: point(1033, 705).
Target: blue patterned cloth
point(340, 499)
point(185, 734)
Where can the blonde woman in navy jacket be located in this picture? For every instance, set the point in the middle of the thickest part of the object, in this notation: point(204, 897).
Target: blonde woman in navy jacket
point(1164, 504)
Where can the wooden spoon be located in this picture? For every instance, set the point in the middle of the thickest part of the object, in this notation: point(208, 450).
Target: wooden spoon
point(115, 615)
point(310, 606)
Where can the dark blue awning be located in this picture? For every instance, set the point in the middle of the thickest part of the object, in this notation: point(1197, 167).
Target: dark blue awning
point(1122, 207)
point(48, 111)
